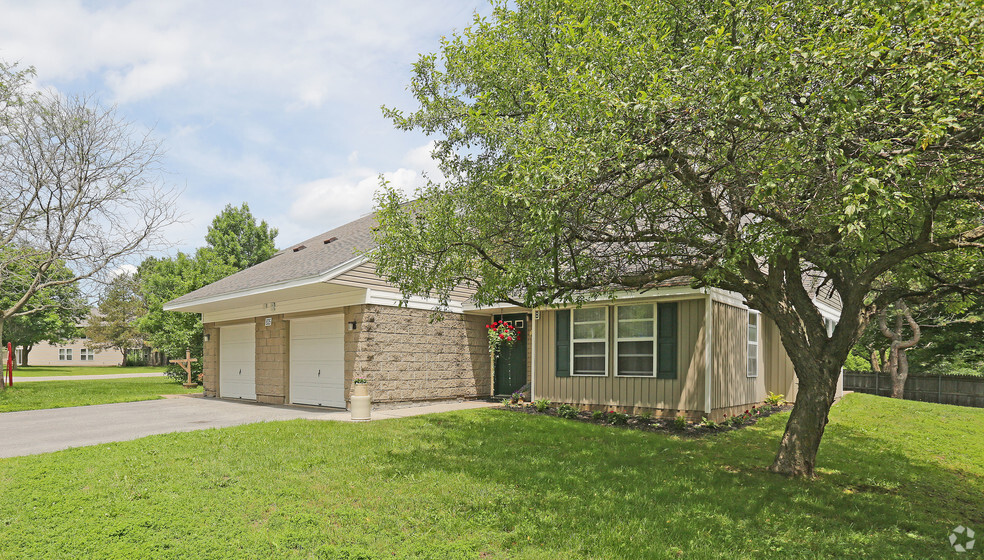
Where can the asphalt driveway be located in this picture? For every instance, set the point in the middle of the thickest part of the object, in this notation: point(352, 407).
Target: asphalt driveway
point(40, 431)
point(30, 432)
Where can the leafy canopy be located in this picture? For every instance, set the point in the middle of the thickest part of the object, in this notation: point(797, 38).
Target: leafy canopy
point(238, 240)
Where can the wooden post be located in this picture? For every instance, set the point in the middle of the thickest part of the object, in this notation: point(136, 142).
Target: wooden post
point(186, 365)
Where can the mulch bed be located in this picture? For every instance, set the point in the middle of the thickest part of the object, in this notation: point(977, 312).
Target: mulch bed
point(661, 425)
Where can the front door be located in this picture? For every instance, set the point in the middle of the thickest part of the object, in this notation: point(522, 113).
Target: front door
point(510, 365)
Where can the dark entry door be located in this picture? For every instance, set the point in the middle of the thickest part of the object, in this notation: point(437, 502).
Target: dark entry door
point(510, 365)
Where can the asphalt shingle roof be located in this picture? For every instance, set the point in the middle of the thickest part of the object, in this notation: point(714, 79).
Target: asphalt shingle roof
point(316, 258)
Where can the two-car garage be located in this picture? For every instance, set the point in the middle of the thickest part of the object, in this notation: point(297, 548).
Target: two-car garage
point(314, 360)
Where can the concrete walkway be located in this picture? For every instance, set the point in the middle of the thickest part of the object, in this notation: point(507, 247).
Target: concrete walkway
point(84, 377)
point(31, 432)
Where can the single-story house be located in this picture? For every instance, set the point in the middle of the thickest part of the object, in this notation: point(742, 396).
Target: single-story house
point(297, 328)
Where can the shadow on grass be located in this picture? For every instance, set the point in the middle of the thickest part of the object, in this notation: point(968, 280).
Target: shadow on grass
point(608, 492)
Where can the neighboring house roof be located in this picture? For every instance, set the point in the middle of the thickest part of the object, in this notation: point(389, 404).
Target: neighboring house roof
point(309, 260)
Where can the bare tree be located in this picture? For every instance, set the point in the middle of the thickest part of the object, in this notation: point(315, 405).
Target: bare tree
point(897, 364)
point(78, 186)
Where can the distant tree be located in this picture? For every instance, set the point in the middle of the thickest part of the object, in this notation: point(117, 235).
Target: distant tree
point(900, 342)
point(238, 240)
point(114, 322)
point(56, 312)
point(79, 186)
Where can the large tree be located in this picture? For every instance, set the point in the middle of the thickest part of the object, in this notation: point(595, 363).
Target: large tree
point(238, 240)
point(79, 186)
point(595, 146)
point(114, 322)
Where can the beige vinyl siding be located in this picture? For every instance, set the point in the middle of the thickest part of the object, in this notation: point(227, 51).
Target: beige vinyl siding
point(779, 375)
point(683, 393)
point(731, 385)
point(365, 276)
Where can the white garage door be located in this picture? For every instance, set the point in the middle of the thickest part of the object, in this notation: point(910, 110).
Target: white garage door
point(237, 362)
point(317, 361)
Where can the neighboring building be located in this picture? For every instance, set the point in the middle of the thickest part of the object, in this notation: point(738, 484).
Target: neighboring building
point(297, 328)
point(71, 353)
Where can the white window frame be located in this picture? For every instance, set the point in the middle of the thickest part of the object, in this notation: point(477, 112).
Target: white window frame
point(634, 339)
point(757, 344)
point(64, 354)
point(86, 355)
point(607, 309)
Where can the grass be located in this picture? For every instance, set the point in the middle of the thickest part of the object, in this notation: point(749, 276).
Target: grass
point(34, 395)
point(895, 478)
point(51, 371)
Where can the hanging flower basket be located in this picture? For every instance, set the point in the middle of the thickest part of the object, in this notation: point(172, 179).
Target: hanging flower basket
point(501, 332)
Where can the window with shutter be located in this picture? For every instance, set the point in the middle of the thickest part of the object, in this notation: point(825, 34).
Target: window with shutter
point(666, 340)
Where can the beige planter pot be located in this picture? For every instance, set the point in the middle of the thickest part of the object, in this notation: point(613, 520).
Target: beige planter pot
point(361, 402)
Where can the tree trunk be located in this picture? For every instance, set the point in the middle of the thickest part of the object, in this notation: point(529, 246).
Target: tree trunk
point(876, 361)
point(797, 453)
point(900, 375)
point(898, 363)
point(25, 352)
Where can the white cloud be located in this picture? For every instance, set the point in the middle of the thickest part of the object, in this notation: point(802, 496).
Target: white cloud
point(324, 203)
point(123, 269)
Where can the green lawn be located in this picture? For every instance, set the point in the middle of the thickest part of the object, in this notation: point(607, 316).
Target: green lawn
point(896, 477)
point(50, 371)
point(33, 395)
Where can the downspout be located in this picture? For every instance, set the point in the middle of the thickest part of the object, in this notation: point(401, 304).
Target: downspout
point(708, 356)
point(533, 322)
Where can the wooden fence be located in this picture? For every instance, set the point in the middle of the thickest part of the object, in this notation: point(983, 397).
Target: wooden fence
point(962, 390)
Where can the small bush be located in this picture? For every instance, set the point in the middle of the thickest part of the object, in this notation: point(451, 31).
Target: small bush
point(680, 422)
point(541, 405)
point(178, 374)
point(567, 411)
point(774, 399)
point(646, 417)
point(598, 416)
point(506, 402)
point(618, 418)
point(707, 423)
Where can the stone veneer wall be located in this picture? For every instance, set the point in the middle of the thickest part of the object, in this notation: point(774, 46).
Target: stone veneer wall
point(272, 368)
point(408, 358)
point(210, 361)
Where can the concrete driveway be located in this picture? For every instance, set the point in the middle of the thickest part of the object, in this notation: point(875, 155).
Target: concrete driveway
point(31, 432)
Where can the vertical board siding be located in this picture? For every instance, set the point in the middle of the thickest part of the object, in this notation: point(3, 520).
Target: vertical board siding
point(683, 393)
point(780, 378)
point(731, 385)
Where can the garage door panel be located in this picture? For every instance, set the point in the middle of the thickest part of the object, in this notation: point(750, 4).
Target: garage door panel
point(317, 364)
point(237, 362)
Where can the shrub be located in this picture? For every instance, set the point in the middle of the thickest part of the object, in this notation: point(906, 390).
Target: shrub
point(506, 402)
point(177, 374)
point(541, 405)
point(618, 418)
point(708, 423)
point(567, 411)
point(646, 417)
point(774, 399)
point(597, 416)
point(680, 422)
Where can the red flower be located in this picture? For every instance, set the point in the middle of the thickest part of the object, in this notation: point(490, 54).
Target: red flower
point(502, 336)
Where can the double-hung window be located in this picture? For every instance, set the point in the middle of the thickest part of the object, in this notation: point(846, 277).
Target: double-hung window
point(65, 354)
point(589, 341)
point(753, 343)
point(635, 340)
point(86, 355)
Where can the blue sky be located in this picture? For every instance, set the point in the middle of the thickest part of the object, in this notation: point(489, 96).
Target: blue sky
point(276, 104)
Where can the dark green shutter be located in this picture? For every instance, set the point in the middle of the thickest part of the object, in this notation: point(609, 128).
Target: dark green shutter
point(666, 340)
point(564, 343)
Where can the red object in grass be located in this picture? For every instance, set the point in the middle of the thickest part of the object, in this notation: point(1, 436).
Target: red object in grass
point(10, 364)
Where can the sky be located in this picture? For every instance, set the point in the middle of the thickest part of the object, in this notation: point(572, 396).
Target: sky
point(276, 104)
